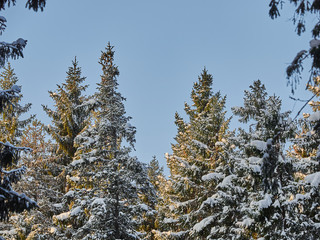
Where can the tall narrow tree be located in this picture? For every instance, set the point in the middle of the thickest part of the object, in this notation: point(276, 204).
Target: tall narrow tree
point(198, 151)
point(105, 181)
point(71, 114)
point(11, 125)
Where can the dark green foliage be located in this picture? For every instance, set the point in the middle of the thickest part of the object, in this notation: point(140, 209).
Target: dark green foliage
point(31, 4)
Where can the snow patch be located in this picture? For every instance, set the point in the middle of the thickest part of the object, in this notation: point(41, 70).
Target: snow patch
point(314, 117)
point(261, 145)
point(169, 220)
point(74, 179)
point(200, 144)
point(227, 181)
point(314, 43)
point(211, 176)
point(144, 207)
point(266, 202)
point(245, 223)
point(203, 224)
point(255, 160)
point(75, 211)
point(69, 194)
point(76, 162)
point(313, 179)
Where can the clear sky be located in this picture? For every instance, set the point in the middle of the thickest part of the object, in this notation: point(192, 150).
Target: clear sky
point(161, 48)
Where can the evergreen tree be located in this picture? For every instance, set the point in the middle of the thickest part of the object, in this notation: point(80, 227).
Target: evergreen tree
point(271, 206)
point(71, 114)
point(155, 173)
point(10, 200)
point(197, 153)
point(11, 127)
point(44, 181)
point(105, 181)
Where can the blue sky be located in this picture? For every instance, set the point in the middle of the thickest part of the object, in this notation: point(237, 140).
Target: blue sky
point(161, 48)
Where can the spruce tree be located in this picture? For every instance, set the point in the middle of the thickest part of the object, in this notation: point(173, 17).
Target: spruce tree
point(105, 181)
point(71, 114)
point(11, 125)
point(270, 207)
point(197, 153)
point(155, 173)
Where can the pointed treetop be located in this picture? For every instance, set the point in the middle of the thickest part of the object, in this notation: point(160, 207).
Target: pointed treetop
point(106, 61)
point(201, 91)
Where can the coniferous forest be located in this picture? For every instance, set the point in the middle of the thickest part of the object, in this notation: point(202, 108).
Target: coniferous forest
point(78, 177)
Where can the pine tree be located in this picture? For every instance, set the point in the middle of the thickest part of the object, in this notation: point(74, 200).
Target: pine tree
point(71, 114)
point(11, 127)
point(197, 153)
point(105, 181)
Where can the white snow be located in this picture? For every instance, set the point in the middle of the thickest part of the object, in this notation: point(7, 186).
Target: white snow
point(255, 168)
point(169, 220)
point(20, 41)
point(76, 162)
point(261, 145)
point(99, 201)
point(92, 159)
point(200, 144)
point(10, 232)
point(75, 211)
point(314, 43)
point(69, 194)
point(276, 203)
point(314, 117)
point(211, 176)
point(313, 179)
point(58, 205)
point(255, 160)
point(204, 223)
point(210, 201)
point(266, 202)
point(144, 207)
point(178, 234)
point(245, 223)
point(269, 142)
point(16, 88)
point(74, 179)
point(227, 181)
